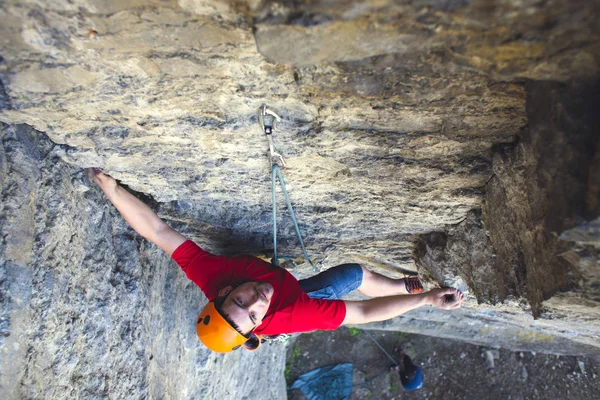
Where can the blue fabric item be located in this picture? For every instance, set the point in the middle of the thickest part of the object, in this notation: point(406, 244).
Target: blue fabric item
point(333, 283)
point(333, 382)
point(414, 383)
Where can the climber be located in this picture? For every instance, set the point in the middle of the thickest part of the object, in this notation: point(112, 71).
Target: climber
point(249, 298)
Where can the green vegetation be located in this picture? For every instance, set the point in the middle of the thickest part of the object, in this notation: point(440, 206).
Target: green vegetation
point(354, 332)
point(295, 354)
point(400, 335)
point(287, 372)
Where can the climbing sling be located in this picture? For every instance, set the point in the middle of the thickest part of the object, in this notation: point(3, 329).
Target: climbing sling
point(268, 120)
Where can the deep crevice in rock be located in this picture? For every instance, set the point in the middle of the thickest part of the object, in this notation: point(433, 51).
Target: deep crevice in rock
point(540, 187)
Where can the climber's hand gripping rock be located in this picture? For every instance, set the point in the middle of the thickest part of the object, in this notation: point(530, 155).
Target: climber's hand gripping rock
point(445, 298)
point(137, 214)
point(105, 182)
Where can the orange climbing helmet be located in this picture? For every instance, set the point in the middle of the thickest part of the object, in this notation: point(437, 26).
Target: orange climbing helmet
point(216, 333)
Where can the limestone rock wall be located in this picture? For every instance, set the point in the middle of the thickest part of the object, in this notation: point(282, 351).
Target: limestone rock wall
point(454, 140)
point(89, 310)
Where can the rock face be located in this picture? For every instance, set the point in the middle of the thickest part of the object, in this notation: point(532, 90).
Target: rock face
point(456, 140)
point(93, 311)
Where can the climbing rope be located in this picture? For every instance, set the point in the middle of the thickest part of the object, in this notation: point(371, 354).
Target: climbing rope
point(268, 119)
point(277, 174)
point(395, 366)
point(381, 347)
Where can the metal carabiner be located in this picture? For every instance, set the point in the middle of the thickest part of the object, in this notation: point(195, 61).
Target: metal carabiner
point(267, 119)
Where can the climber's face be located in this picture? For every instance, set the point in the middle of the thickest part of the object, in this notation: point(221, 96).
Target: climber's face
point(247, 304)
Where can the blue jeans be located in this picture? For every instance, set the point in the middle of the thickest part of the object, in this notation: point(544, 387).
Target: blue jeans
point(333, 283)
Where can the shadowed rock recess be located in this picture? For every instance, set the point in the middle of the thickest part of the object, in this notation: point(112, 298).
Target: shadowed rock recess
point(456, 140)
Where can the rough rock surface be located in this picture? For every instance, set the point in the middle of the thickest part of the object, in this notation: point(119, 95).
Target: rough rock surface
point(94, 311)
point(456, 140)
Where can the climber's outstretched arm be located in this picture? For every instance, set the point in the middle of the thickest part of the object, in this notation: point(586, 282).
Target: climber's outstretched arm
point(137, 214)
point(383, 308)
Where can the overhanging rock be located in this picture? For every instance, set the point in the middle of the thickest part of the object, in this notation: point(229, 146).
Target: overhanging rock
point(455, 140)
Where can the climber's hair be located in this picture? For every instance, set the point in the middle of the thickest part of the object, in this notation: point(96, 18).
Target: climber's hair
point(218, 305)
